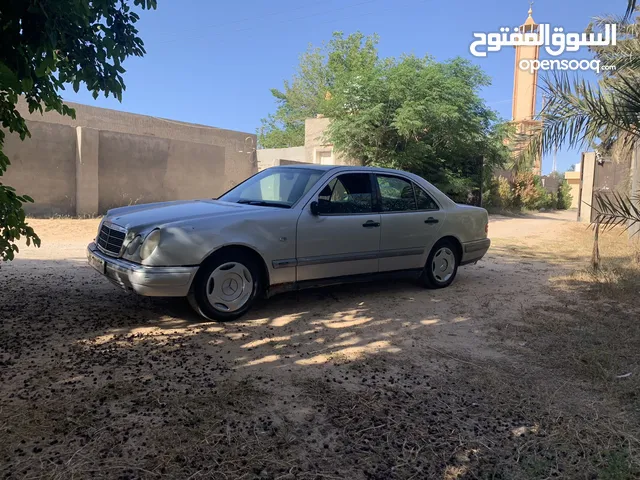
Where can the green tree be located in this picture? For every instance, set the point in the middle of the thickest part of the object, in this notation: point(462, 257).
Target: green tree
point(410, 113)
point(418, 115)
point(306, 94)
point(47, 45)
point(563, 195)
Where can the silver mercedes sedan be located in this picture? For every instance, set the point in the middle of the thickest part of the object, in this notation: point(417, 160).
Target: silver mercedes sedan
point(288, 228)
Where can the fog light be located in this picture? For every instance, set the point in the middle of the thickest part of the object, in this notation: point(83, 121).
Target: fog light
point(134, 245)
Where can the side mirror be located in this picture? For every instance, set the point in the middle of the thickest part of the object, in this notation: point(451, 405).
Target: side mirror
point(314, 208)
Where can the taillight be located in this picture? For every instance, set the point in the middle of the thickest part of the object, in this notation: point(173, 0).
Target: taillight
point(486, 228)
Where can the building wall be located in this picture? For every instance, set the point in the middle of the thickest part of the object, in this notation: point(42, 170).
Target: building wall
point(573, 179)
point(316, 150)
point(550, 183)
point(44, 167)
point(313, 132)
point(586, 198)
point(617, 174)
point(603, 178)
point(105, 158)
point(271, 157)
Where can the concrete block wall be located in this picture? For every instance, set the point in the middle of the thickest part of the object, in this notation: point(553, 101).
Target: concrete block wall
point(44, 167)
point(87, 171)
point(313, 137)
point(315, 150)
point(314, 142)
point(271, 157)
point(105, 158)
point(573, 179)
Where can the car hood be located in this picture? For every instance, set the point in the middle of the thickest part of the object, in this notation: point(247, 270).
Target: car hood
point(139, 217)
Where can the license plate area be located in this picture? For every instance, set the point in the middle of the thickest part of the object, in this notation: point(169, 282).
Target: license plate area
point(98, 264)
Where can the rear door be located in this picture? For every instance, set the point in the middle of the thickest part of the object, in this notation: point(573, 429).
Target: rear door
point(344, 238)
point(410, 221)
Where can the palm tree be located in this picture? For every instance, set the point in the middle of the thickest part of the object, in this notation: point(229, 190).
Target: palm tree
point(578, 114)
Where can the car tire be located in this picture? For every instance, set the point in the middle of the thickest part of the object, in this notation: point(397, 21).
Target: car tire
point(442, 265)
point(226, 286)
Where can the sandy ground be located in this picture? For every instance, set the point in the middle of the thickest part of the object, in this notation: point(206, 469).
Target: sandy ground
point(360, 381)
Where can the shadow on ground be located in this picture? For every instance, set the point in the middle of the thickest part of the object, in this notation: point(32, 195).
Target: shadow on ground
point(361, 381)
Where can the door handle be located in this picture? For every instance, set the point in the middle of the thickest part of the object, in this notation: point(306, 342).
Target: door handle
point(371, 224)
point(431, 220)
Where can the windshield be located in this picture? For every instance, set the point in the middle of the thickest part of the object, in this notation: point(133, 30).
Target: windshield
point(275, 187)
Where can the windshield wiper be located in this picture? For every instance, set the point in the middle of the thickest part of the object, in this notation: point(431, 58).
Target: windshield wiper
point(263, 203)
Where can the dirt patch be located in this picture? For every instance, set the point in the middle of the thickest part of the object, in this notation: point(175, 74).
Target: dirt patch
point(512, 372)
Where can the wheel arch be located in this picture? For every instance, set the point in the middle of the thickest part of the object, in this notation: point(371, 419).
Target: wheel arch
point(455, 241)
point(253, 253)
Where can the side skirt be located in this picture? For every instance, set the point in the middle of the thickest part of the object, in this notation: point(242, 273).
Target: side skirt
point(412, 274)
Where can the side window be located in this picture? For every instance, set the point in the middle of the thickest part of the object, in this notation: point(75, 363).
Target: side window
point(396, 194)
point(348, 193)
point(425, 202)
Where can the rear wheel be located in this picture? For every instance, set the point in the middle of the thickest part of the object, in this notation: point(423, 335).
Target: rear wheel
point(442, 265)
point(226, 286)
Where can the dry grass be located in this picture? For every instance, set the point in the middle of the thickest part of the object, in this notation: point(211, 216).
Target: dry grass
point(590, 335)
point(482, 380)
point(157, 435)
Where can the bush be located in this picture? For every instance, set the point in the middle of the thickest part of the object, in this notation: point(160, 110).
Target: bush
point(505, 193)
point(499, 194)
point(524, 191)
point(564, 196)
point(529, 192)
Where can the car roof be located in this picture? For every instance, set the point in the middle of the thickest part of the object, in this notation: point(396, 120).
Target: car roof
point(344, 168)
point(308, 166)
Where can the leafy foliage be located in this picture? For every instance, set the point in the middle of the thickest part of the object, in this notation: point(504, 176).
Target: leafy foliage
point(603, 116)
point(564, 196)
point(410, 113)
point(499, 194)
point(306, 94)
point(418, 115)
point(580, 114)
point(12, 222)
point(530, 193)
point(525, 191)
point(48, 45)
point(631, 6)
point(616, 210)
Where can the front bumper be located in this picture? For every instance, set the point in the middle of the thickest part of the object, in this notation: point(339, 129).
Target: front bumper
point(474, 251)
point(148, 281)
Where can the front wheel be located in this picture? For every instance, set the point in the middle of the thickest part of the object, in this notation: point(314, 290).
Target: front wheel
point(442, 265)
point(226, 286)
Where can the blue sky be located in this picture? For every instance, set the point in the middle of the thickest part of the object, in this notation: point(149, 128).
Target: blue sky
point(213, 62)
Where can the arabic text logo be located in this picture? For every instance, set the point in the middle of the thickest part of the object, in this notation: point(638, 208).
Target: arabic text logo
point(554, 40)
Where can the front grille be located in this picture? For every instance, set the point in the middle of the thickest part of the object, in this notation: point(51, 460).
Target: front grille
point(110, 239)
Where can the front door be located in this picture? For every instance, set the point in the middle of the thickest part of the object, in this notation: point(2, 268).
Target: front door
point(344, 238)
point(410, 221)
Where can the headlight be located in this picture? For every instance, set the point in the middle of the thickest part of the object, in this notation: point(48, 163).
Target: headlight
point(134, 245)
point(150, 243)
